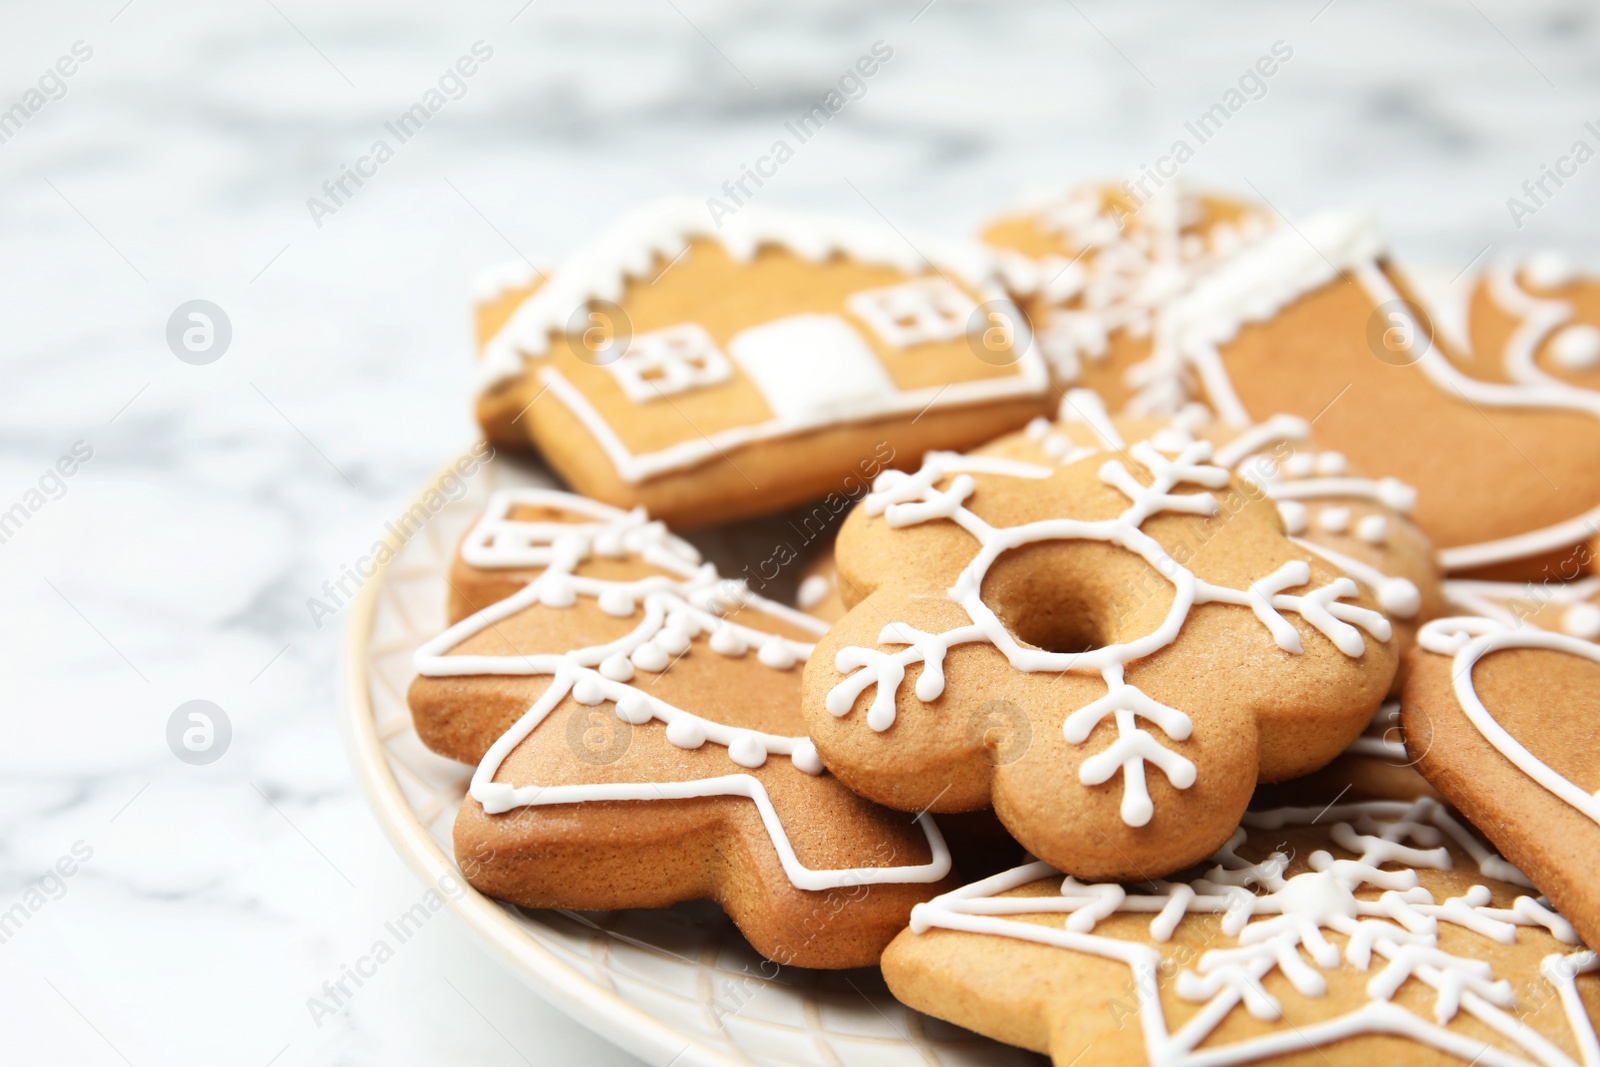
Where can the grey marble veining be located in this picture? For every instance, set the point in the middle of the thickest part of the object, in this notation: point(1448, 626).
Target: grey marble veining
point(175, 563)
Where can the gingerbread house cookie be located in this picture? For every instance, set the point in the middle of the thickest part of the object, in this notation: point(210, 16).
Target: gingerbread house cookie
point(709, 371)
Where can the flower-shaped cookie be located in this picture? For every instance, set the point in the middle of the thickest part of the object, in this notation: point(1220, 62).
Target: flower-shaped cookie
point(636, 722)
point(997, 656)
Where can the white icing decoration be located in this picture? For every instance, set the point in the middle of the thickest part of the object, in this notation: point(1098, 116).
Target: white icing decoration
point(1550, 270)
point(1126, 277)
point(1245, 456)
point(1468, 640)
point(907, 499)
point(1490, 599)
point(814, 589)
point(498, 281)
point(1373, 529)
point(1576, 347)
point(914, 313)
point(674, 608)
point(1376, 741)
point(812, 368)
point(1277, 923)
point(665, 362)
point(1400, 597)
point(1582, 620)
point(1334, 519)
point(634, 248)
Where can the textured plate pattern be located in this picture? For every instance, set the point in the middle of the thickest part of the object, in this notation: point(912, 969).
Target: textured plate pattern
point(674, 986)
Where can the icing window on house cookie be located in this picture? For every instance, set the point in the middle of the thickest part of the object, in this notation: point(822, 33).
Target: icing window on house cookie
point(1273, 925)
point(669, 361)
point(917, 312)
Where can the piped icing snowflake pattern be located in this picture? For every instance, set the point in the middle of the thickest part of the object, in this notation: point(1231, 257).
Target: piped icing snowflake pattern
point(1467, 640)
point(1277, 924)
point(1133, 264)
point(691, 600)
point(908, 499)
point(1303, 480)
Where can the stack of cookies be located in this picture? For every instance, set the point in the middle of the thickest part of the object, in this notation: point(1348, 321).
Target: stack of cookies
point(1193, 658)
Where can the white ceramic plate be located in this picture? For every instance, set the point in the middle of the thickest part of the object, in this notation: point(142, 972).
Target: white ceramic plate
point(676, 986)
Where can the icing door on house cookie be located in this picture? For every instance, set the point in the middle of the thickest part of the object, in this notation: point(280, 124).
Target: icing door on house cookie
point(812, 368)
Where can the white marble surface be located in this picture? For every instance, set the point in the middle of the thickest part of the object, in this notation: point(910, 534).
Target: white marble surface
point(178, 561)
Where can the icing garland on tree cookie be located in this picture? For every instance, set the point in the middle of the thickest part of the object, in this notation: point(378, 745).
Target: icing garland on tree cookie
point(1278, 925)
point(1468, 640)
point(691, 600)
point(908, 499)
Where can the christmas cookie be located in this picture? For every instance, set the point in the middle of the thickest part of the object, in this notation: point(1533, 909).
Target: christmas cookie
point(1110, 263)
point(1505, 723)
point(1361, 525)
point(1350, 934)
point(522, 530)
point(1314, 321)
point(1571, 608)
point(713, 371)
point(1375, 766)
point(635, 720)
point(998, 656)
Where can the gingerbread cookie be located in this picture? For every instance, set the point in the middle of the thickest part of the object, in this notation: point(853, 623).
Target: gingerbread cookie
point(1314, 321)
point(522, 530)
point(1361, 525)
point(997, 656)
point(635, 719)
point(1571, 608)
point(709, 371)
point(1375, 766)
point(1534, 320)
point(1110, 263)
point(1374, 932)
point(1505, 723)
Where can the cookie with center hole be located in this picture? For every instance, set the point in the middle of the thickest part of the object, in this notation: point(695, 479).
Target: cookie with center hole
point(997, 656)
